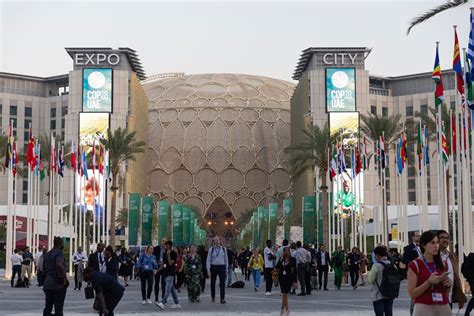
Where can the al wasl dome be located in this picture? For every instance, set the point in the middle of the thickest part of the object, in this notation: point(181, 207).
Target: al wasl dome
point(216, 143)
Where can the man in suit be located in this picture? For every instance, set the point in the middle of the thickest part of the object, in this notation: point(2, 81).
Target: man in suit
point(323, 261)
point(96, 260)
point(158, 252)
point(412, 251)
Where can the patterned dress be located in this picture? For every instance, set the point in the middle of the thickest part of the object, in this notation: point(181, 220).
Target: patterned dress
point(193, 271)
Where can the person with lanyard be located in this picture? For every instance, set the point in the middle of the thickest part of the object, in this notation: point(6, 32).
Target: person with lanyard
point(323, 261)
point(456, 294)
point(111, 262)
point(217, 264)
point(256, 265)
point(338, 266)
point(96, 259)
point(428, 280)
point(193, 271)
point(147, 266)
point(269, 258)
point(353, 261)
point(158, 252)
point(287, 279)
point(169, 273)
point(108, 291)
point(301, 255)
point(78, 260)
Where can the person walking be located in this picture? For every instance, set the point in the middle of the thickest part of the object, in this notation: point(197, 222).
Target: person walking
point(338, 266)
point(78, 260)
point(203, 255)
point(383, 306)
point(323, 261)
point(56, 283)
point(126, 266)
point(217, 264)
point(244, 259)
point(180, 275)
point(193, 271)
point(16, 260)
point(269, 259)
point(428, 280)
point(147, 266)
point(169, 272)
point(37, 256)
point(111, 262)
point(467, 270)
point(158, 252)
point(287, 277)
point(40, 267)
point(96, 259)
point(230, 268)
point(301, 255)
point(26, 266)
point(353, 262)
point(256, 266)
point(363, 267)
point(108, 290)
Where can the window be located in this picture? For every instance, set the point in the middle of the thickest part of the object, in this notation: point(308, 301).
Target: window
point(53, 124)
point(64, 110)
point(53, 112)
point(411, 171)
point(409, 111)
point(411, 184)
point(13, 110)
point(14, 121)
point(384, 111)
point(411, 197)
point(424, 109)
point(63, 123)
point(25, 185)
point(1, 108)
point(24, 198)
point(28, 112)
point(62, 135)
point(27, 124)
point(26, 135)
point(373, 110)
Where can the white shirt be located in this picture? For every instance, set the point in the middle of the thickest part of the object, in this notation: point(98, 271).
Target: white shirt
point(268, 263)
point(16, 259)
point(102, 266)
point(445, 257)
point(323, 258)
point(38, 256)
point(79, 257)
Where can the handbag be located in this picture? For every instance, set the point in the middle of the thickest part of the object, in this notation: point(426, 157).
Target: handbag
point(89, 291)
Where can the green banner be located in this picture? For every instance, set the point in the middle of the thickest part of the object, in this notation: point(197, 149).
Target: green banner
point(309, 219)
point(254, 229)
point(262, 225)
point(147, 219)
point(177, 213)
point(133, 218)
point(192, 224)
point(272, 220)
point(186, 225)
point(163, 207)
point(287, 210)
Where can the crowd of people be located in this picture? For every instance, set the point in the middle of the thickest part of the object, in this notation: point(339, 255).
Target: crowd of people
point(431, 269)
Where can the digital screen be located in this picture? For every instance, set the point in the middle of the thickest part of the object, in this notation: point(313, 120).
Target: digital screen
point(340, 90)
point(344, 125)
point(97, 90)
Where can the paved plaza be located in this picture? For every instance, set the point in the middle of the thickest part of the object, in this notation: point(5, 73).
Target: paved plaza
point(30, 301)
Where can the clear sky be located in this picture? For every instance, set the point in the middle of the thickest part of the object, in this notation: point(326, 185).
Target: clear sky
point(262, 38)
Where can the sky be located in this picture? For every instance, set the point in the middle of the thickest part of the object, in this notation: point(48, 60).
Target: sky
point(261, 38)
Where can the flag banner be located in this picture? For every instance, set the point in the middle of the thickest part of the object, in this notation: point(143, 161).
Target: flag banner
point(309, 218)
point(133, 216)
point(436, 76)
point(319, 216)
point(186, 225)
point(147, 220)
point(457, 65)
point(287, 210)
point(255, 229)
point(192, 220)
point(163, 207)
point(262, 225)
point(177, 218)
point(272, 220)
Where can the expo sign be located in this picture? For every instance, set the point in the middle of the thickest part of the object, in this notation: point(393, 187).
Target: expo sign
point(95, 59)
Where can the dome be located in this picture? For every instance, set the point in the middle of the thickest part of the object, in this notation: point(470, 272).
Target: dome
point(216, 142)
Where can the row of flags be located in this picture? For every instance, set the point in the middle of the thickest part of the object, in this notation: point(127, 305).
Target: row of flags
point(359, 160)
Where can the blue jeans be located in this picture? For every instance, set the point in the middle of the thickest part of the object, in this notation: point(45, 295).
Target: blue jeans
point(229, 275)
point(383, 307)
point(169, 280)
point(256, 278)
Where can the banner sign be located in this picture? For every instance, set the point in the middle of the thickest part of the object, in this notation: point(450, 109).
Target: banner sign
point(254, 229)
point(186, 225)
point(163, 207)
point(177, 218)
point(192, 220)
point(287, 210)
point(340, 90)
point(272, 220)
point(309, 219)
point(97, 90)
point(133, 216)
point(147, 220)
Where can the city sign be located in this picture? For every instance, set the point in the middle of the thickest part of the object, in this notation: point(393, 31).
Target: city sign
point(340, 90)
point(339, 58)
point(94, 59)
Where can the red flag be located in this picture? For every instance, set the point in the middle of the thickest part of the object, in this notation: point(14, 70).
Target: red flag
point(358, 160)
point(101, 159)
point(73, 157)
point(52, 155)
point(30, 153)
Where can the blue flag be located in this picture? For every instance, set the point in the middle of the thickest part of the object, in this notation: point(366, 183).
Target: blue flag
point(84, 164)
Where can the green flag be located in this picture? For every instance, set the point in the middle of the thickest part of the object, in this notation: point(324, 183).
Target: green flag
point(186, 225)
point(287, 210)
point(163, 207)
point(272, 220)
point(177, 217)
point(147, 219)
point(133, 223)
point(309, 220)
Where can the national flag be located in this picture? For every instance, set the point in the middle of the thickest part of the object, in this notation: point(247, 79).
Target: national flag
point(353, 167)
point(364, 155)
point(469, 89)
point(73, 156)
point(9, 148)
point(358, 159)
point(404, 149)
point(101, 159)
point(80, 171)
point(444, 147)
point(333, 168)
point(52, 157)
point(14, 159)
point(93, 156)
point(436, 76)
point(457, 65)
point(30, 152)
point(84, 164)
point(37, 158)
point(470, 46)
point(426, 146)
point(419, 148)
point(399, 157)
point(383, 155)
point(41, 169)
point(453, 132)
point(60, 162)
point(343, 160)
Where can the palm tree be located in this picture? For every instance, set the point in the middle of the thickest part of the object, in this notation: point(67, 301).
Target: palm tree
point(313, 152)
point(449, 4)
point(122, 217)
point(374, 127)
point(122, 147)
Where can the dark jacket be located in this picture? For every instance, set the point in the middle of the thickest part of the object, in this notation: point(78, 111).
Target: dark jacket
point(318, 259)
point(93, 261)
point(409, 253)
point(290, 269)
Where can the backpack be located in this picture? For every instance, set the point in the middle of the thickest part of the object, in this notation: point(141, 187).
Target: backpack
point(390, 285)
point(238, 285)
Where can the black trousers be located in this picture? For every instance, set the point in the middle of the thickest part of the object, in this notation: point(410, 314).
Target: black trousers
point(215, 272)
point(301, 273)
point(146, 280)
point(354, 277)
point(470, 305)
point(16, 270)
point(323, 271)
point(111, 301)
point(158, 277)
point(76, 283)
point(268, 279)
point(54, 298)
point(307, 280)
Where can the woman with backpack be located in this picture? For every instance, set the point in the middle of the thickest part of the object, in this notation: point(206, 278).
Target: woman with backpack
point(428, 280)
point(338, 257)
point(383, 306)
point(287, 279)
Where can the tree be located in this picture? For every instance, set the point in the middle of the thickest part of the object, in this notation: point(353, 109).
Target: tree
point(122, 217)
point(312, 152)
point(374, 126)
point(122, 147)
point(449, 4)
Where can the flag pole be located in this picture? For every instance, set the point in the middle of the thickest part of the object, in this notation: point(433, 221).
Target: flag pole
point(451, 201)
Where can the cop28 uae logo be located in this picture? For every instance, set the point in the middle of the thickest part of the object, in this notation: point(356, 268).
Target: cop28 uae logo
point(177, 213)
point(340, 79)
point(96, 80)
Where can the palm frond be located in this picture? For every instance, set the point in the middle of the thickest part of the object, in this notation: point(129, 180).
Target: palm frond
point(434, 11)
